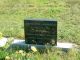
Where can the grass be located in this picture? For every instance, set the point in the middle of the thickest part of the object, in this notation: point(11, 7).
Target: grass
point(55, 54)
point(37, 54)
point(66, 12)
point(1, 35)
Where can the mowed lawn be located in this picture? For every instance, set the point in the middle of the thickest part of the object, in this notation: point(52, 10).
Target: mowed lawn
point(66, 12)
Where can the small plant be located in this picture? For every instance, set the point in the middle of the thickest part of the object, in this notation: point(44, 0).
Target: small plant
point(3, 55)
point(0, 35)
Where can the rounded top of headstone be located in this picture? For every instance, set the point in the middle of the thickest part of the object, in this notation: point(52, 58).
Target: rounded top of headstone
point(40, 19)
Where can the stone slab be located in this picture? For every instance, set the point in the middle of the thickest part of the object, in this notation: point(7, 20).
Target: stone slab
point(3, 41)
point(59, 44)
point(21, 44)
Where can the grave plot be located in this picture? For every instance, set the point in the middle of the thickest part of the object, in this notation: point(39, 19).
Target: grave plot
point(40, 31)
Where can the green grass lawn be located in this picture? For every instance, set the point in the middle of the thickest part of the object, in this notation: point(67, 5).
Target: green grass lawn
point(55, 54)
point(66, 12)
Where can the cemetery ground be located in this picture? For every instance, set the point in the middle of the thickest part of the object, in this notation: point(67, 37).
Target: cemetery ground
point(66, 12)
point(36, 54)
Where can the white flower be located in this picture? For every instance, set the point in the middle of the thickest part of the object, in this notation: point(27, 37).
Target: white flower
point(33, 48)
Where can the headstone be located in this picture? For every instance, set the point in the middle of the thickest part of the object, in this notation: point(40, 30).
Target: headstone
point(40, 31)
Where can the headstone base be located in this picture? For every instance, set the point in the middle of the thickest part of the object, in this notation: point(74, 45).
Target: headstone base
point(20, 44)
